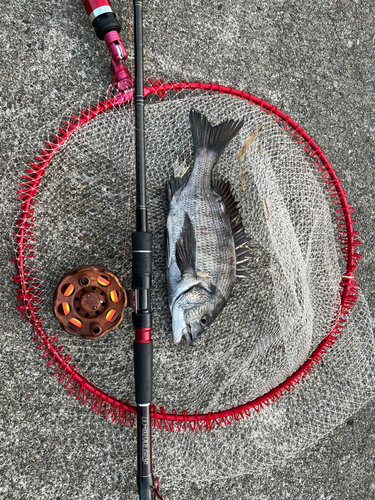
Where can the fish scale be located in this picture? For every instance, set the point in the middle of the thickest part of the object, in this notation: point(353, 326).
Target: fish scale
point(215, 246)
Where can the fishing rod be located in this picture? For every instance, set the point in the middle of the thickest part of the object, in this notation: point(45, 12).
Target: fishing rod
point(107, 28)
point(142, 268)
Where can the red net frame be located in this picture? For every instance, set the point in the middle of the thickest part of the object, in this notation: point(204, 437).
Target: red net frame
point(29, 293)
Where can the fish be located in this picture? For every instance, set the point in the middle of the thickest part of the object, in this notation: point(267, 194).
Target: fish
point(205, 241)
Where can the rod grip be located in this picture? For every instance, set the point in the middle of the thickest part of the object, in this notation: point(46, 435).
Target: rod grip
point(143, 372)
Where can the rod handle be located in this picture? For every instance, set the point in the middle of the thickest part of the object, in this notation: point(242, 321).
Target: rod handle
point(143, 372)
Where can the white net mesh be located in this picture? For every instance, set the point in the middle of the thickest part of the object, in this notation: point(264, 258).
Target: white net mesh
point(275, 319)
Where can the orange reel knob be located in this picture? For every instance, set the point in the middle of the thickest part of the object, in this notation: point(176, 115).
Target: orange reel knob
point(89, 302)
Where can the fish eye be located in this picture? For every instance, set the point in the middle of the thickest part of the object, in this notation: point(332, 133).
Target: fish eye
point(205, 320)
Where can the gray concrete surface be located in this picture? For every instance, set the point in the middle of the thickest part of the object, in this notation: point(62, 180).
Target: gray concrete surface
point(314, 60)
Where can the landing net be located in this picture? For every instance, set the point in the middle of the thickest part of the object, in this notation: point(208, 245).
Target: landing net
point(294, 347)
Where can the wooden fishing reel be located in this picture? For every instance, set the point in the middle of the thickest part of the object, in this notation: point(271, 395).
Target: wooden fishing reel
point(89, 302)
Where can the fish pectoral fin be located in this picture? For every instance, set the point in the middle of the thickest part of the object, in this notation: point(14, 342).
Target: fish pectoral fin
point(166, 245)
point(186, 248)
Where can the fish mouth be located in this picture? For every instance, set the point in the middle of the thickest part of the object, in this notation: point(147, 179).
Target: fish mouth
point(189, 332)
point(186, 333)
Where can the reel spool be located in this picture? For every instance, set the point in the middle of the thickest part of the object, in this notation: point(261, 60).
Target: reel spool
point(89, 302)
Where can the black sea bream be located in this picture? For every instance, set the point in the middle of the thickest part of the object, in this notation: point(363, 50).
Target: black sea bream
point(206, 246)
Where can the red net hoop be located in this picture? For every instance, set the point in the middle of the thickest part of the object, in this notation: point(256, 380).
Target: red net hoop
point(31, 298)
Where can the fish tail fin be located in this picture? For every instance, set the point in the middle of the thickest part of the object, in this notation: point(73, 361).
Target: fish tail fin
point(213, 138)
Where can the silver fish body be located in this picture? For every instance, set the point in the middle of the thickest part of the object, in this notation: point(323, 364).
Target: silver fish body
point(200, 245)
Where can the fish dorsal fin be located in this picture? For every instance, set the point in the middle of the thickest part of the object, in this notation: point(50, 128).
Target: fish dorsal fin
point(223, 188)
point(175, 184)
point(213, 138)
point(186, 248)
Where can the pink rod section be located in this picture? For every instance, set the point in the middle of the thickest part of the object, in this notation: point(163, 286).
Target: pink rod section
point(121, 74)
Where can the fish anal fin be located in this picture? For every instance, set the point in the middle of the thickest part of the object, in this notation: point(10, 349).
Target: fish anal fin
point(186, 248)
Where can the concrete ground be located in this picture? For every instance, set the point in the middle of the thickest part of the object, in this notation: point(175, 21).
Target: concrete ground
point(314, 60)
